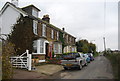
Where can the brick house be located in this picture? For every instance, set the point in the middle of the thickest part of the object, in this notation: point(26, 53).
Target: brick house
point(49, 40)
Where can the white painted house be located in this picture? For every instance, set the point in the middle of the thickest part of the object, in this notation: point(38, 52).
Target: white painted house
point(8, 20)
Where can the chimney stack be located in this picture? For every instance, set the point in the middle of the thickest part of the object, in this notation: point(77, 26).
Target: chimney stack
point(15, 2)
point(46, 18)
point(63, 29)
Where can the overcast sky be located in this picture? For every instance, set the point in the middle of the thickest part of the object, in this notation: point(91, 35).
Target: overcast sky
point(83, 19)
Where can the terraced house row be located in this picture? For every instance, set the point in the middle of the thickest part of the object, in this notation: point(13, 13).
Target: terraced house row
point(51, 39)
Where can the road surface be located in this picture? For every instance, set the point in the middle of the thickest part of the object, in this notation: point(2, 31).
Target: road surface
point(100, 68)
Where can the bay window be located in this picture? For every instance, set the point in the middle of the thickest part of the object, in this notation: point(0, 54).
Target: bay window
point(57, 48)
point(39, 47)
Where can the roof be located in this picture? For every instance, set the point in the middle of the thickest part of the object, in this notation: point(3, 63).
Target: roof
point(31, 16)
point(13, 6)
point(31, 6)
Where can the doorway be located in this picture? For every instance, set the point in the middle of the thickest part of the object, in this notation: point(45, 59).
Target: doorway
point(46, 49)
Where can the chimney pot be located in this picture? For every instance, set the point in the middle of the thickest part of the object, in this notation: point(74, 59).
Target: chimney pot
point(63, 29)
point(46, 18)
point(15, 2)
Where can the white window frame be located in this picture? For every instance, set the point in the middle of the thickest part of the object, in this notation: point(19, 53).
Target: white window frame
point(35, 27)
point(44, 30)
point(40, 45)
point(57, 48)
point(35, 46)
point(52, 34)
point(34, 12)
point(57, 35)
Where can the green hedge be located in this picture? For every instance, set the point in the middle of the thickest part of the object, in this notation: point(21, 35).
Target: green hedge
point(115, 62)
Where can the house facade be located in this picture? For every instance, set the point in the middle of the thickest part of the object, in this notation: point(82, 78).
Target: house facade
point(49, 40)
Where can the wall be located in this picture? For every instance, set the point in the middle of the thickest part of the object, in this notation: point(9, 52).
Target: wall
point(8, 18)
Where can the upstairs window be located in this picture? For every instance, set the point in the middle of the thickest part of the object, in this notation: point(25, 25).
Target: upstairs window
point(52, 34)
point(70, 40)
point(34, 12)
point(57, 35)
point(67, 38)
point(44, 30)
point(35, 27)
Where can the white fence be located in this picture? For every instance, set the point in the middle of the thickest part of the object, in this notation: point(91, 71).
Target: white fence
point(22, 61)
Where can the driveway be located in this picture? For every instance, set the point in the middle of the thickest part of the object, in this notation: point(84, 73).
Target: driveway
point(98, 69)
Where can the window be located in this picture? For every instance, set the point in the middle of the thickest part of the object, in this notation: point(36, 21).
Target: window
point(52, 34)
point(57, 35)
point(44, 30)
point(38, 46)
point(34, 12)
point(35, 27)
point(57, 48)
point(67, 38)
point(41, 46)
point(73, 49)
point(35, 46)
point(70, 40)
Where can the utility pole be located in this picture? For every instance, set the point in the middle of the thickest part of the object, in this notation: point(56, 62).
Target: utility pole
point(104, 45)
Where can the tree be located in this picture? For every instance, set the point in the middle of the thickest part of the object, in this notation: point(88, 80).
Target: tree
point(85, 47)
point(22, 35)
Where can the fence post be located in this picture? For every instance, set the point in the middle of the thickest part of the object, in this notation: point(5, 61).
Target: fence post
point(27, 51)
point(29, 61)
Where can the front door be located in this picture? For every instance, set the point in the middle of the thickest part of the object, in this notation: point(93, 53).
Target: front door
point(46, 49)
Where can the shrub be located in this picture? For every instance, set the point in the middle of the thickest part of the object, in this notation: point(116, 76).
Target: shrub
point(53, 61)
point(115, 62)
point(7, 51)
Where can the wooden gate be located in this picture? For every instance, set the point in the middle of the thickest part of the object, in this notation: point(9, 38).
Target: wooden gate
point(22, 61)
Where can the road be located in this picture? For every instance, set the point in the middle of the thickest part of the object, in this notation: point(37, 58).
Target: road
point(100, 68)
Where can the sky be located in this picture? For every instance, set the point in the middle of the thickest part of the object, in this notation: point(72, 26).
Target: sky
point(83, 19)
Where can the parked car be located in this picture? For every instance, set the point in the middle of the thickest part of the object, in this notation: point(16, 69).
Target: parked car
point(91, 56)
point(75, 60)
point(87, 58)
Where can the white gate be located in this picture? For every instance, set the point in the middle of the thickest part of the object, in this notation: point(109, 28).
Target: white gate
point(22, 61)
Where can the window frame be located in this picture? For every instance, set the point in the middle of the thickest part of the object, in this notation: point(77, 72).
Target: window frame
point(34, 12)
point(57, 35)
point(35, 27)
point(57, 48)
point(44, 30)
point(52, 34)
point(40, 44)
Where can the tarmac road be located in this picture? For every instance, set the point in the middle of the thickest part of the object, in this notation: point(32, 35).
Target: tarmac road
point(100, 68)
